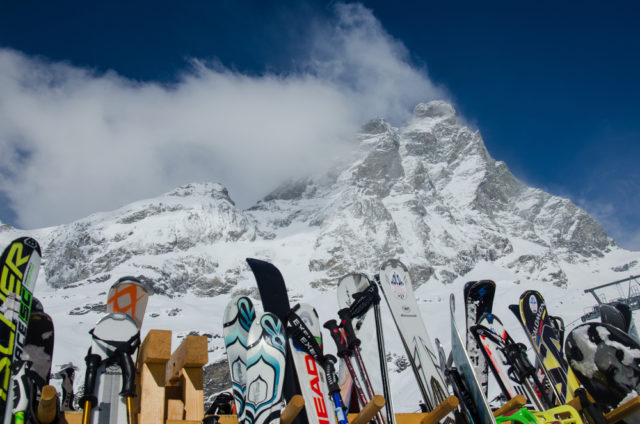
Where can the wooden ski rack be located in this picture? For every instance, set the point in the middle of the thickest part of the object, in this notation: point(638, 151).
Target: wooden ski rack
point(169, 386)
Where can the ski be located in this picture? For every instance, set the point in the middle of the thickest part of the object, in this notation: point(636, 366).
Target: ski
point(509, 363)
point(478, 300)
point(606, 360)
point(467, 411)
point(38, 350)
point(273, 293)
point(115, 338)
point(67, 375)
point(465, 367)
point(546, 337)
point(357, 292)
point(266, 356)
point(19, 266)
point(398, 291)
point(239, 314)
point(305, 342)
point(130, 296)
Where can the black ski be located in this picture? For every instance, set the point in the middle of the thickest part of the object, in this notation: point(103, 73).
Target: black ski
point(273, 293)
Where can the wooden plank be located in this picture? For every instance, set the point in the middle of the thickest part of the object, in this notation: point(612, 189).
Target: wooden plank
point(182, 422)
point(175, 409)
point(191, 379)
point(192, 352)
point(152, 393)
point(156, 348)
point(623, 411)
point(71, 417)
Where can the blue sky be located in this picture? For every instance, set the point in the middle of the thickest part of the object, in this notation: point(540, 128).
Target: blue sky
point(552, 86)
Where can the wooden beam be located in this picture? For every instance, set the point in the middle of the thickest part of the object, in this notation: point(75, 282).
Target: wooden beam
point(192, 352)
point(516, 402)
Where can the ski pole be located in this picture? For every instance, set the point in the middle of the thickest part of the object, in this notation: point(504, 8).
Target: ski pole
point(128, 383)
point(89, 398)
point(22, 388)
point(343, 352)
point(334, 388)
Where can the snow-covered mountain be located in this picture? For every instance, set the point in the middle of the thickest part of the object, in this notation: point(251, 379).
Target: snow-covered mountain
point(427, 193)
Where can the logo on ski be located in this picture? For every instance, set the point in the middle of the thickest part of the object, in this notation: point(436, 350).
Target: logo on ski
point(398, 286)
point(124, 299)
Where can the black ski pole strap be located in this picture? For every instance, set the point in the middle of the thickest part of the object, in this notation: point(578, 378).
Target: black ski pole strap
point(345, 324)
point(364, 300)
point(338, 337)
point(301, 334)
point(128, 374)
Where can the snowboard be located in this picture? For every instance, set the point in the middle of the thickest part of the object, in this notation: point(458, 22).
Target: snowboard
point(273, 293)
point(367, 325)
point(307, 358)
point(545, 336)
point(110, 371)
point(266, 358)
point(19, 266)
point(67, 375)
point(465, 367)
point(606, 361)
point(239, 314)
point(398, 291)
point(478, 300)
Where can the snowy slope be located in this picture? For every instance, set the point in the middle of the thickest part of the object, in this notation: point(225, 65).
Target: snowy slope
point(427, 193)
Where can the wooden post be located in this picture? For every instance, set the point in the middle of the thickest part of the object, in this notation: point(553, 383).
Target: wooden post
point(441, 410)
point(154, 354)
point(47, 407)
point(516, 402)
point(291, 411)
point(369, 410)
point(623, 411)
point(185, 369)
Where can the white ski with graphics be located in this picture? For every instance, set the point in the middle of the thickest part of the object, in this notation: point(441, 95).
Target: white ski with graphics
point(311, 375)
point(128, 296)
point(368, 327)
point(266, 361)
point(239, 314)
point(465, 367)
point(398, 291)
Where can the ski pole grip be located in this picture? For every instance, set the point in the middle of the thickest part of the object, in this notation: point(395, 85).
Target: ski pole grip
point(93, 363)
point(345, 323)
point(330, 372)
point(363, 300)
point(128, 376)
point(338, 338)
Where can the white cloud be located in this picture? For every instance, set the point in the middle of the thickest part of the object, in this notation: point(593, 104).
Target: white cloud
point(74, 141)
